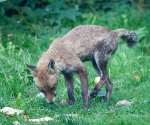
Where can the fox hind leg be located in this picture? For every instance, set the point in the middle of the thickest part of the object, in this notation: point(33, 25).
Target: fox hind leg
point(109, 84)
point(109, 87)
point(104, 78)
point(96, 68)
point(100, 60)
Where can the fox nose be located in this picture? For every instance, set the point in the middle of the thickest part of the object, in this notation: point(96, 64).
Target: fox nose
point(51, 102)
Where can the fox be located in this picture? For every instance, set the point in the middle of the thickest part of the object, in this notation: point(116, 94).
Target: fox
point(66, 55)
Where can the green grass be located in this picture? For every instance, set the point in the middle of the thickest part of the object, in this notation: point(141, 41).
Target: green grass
point(18, 90)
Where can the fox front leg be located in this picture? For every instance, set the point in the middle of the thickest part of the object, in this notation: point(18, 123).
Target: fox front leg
point(70, 87)
point(82, 73)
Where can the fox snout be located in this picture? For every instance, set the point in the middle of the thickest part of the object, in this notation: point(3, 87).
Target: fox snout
point(51, 98)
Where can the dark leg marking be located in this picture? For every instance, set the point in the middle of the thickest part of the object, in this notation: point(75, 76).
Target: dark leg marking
point(82, 73)
point(70, 87)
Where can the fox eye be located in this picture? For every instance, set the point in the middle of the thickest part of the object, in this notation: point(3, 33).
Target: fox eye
point(52, 88)
point(42, 91)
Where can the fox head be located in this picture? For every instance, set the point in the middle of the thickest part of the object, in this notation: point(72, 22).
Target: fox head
point(46, 80)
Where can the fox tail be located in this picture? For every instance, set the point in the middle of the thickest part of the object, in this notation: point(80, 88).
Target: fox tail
point(127, 36)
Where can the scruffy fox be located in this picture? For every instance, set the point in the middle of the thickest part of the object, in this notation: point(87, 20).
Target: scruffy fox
point(65, 56)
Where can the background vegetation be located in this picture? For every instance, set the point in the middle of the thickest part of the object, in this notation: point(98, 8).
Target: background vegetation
point(28, 27)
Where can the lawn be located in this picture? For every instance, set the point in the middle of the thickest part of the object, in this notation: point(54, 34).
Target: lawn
point(18, 90)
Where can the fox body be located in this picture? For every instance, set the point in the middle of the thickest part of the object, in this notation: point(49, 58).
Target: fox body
point(65, 56)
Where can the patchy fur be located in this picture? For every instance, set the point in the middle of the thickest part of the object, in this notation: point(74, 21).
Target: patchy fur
point(65, 55)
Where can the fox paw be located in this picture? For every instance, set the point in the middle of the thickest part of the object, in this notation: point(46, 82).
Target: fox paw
point(92, 95)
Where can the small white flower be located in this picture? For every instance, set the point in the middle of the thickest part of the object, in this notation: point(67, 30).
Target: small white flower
point(41, 95)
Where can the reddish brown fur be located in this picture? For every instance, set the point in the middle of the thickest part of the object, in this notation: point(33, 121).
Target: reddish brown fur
point(65, 55)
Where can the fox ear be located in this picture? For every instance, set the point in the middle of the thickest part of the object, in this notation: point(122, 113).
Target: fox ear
point(32, 69)
point(51, 66)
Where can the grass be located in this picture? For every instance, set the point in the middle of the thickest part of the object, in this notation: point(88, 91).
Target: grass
point(17, 89)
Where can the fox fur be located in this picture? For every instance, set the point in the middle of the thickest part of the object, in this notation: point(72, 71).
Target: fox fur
point(67, 54)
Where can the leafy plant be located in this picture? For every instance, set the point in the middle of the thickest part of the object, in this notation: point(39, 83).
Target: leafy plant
point(51, 13)
point(19, 46)
point(141, 33)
